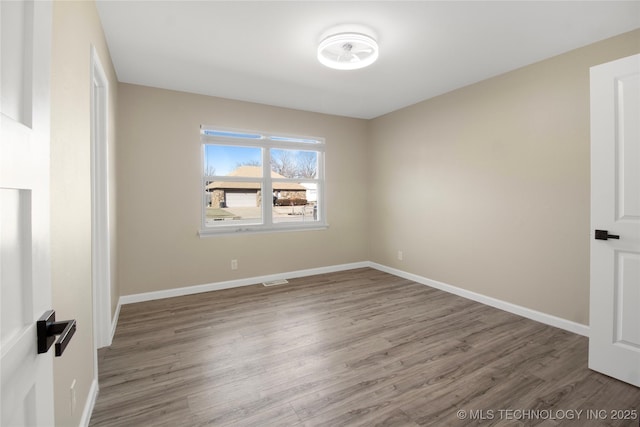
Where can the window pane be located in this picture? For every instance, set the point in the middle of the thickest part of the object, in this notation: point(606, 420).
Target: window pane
point(229, 160)
point(295, 210)
point(231, 134)
point(294, 163)
point(233, 203)
point(294, 139)
point(295, 202)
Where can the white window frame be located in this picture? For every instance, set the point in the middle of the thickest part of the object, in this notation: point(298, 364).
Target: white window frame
point(266, 141)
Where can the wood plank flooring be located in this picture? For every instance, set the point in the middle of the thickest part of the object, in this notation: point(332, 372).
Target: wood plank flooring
point(354, 348)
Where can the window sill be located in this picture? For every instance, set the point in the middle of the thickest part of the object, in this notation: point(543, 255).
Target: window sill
point(245, 230)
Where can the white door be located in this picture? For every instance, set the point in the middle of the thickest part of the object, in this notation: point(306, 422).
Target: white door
point(614, 341)
point(25, 289)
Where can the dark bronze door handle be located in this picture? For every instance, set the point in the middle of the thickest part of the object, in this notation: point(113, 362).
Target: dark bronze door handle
point(48, 328)
point(604, 235)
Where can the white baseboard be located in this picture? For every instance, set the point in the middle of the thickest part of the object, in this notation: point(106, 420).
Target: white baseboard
point(189, 290)
point(538, 316)
point(91, 402)
point(114, 321)
point(547, 319)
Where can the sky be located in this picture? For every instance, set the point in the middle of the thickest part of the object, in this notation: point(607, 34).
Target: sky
point(225, 158)
point(221, 160)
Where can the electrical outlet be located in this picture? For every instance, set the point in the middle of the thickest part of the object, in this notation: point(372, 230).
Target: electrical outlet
point(234, 264)
point(73, 400)
point(400, 255)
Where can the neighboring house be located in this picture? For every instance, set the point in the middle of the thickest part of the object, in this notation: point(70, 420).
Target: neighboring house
point(312, 191)
point(248, 194)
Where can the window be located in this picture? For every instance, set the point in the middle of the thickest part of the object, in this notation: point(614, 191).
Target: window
point(254, 181)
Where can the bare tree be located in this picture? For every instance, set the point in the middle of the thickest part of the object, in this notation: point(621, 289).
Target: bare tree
point(284, 163)
point(209, 170)
point(307, 164)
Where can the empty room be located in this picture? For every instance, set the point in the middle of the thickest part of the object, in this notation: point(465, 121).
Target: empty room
point(305, 213)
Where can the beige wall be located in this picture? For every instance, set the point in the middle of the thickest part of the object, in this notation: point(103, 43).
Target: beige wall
point(75, 28)
point(159, 200)
point(487, 187)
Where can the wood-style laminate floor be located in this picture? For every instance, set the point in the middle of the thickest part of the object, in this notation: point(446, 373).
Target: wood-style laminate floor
point(354, 348)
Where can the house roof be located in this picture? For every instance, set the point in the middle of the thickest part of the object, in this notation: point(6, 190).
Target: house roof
point(253, 172)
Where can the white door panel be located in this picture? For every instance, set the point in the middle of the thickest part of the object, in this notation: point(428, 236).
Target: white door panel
point(26, 377)
point(614, 344)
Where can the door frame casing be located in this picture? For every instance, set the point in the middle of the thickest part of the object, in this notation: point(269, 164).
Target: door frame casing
point(100, 235)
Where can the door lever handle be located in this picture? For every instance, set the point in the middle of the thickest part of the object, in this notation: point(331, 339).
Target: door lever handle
point(48, 328)
point(604, 235)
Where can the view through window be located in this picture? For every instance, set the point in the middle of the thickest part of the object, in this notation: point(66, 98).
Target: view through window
point(255, 181)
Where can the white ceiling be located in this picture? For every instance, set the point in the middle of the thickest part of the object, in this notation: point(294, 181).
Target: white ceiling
point(265, 51)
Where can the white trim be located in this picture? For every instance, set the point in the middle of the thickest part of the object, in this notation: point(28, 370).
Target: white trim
point(100, 238)
point(116, 316)
point(190, 290)
point(538, 316)
point(91, 403)
point(249, 229)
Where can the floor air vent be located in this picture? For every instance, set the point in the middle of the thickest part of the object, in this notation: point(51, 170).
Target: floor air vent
point(276, 282)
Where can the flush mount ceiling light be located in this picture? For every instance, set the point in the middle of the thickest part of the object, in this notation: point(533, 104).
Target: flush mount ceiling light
point(347, 51)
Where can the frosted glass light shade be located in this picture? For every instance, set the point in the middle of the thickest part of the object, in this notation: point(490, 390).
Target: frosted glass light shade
point(348, 51)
